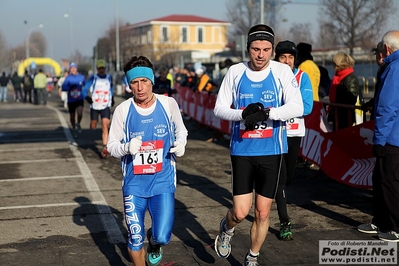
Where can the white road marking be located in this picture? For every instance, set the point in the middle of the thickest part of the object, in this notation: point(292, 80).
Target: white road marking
point(37, 206)
point(40, 178)
point(113, 232)
point(48, 205)
point(40, 161)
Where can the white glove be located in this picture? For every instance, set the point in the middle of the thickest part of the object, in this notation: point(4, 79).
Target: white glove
point(178, 149)
point(134, 145)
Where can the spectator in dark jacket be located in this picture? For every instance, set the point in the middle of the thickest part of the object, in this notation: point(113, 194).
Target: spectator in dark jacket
point(162, 85)
point(17, 84)
point(325, 82)
point(181, 77)
point(378, 52)
point(27, 81)
point(4, 80)
point(344, 89)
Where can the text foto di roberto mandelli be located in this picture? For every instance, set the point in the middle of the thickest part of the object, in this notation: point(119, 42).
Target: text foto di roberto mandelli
point(357, 251)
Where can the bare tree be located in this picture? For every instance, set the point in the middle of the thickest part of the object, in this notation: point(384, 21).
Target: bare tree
point(357, 23)
point(168, 52)
point(244, 14)
point(301, 32)
point(107, 45)
point(327, 36)
point(102, 48)
point(18, 52)
point(37, 44)
point(3, 51)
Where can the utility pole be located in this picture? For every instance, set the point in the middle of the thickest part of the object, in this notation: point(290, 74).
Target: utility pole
point(262, 11)
point(117, 37)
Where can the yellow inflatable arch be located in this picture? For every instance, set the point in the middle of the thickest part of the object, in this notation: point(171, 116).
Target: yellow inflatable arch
point(39, 61)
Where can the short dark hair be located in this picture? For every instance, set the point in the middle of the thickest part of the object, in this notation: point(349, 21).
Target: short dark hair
point(136, 61)
point(228, 62)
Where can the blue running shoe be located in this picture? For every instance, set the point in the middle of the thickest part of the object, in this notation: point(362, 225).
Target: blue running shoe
point(154, 253)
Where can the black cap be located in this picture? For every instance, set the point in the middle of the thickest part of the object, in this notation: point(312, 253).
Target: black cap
point(304, 48)
point(286, 47)
point(379, 48)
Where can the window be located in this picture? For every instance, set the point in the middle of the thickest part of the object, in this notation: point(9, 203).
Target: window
point(143, 35)
point(149, 36)
point(200, 35)
point(164, 34)
point(184, 35)
point(217, 35)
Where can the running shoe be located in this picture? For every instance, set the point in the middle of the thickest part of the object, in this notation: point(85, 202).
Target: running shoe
point(154, 253)
point(79, 128)
point(250, 260)
point(104, 152)
point(391, 236)
point(222, 241)
point(74, 133)
point(285, 231)
point(368, 228)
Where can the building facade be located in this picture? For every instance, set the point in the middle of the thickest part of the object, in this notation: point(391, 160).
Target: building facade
point(172, 40)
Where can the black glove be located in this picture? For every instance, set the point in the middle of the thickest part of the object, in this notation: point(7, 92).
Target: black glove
point(251, 108)
point(378, 150)
point(112, 101)
point(89, 99)
point(252, 120)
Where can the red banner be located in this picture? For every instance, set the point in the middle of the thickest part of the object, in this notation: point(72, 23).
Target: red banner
point(344, 155)
point(199, 106)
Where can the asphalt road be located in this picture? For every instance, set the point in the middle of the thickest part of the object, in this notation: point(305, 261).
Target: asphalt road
point(60, 204)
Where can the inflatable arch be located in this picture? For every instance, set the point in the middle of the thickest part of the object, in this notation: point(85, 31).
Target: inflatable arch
point(39, 61)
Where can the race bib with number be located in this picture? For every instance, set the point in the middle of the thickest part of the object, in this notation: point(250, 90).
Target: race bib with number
point(101, 94)
point(74, 93)
point(262, 130)
point(292, 124)
point(149, 159)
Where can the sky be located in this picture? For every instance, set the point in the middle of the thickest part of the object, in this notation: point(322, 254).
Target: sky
point(89, 20)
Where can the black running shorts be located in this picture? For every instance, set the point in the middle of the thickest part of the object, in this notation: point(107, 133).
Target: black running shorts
point(73, 105)
point(105, 113)
point(261, 173)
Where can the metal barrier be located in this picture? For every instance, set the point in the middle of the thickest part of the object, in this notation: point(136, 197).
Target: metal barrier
point(335, 106)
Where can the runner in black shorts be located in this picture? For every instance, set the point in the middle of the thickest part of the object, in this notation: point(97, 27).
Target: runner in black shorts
point(74, 84)
point(258, 96)
point(105, 113)
point(75, 107)
point(257, 173)
point(99, 93)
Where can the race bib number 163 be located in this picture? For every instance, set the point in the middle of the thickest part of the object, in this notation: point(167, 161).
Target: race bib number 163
point(149, 159)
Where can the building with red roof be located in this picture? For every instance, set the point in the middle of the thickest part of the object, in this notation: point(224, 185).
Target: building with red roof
point(174, 39)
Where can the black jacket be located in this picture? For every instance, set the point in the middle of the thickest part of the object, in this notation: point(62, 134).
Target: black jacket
point(347, 92)
point(16, 81)
point(4, 80)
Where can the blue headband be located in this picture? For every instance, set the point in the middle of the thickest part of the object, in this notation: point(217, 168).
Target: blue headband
point(140, 72)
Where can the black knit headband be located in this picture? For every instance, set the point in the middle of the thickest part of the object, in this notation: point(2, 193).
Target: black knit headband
point(260, 35)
